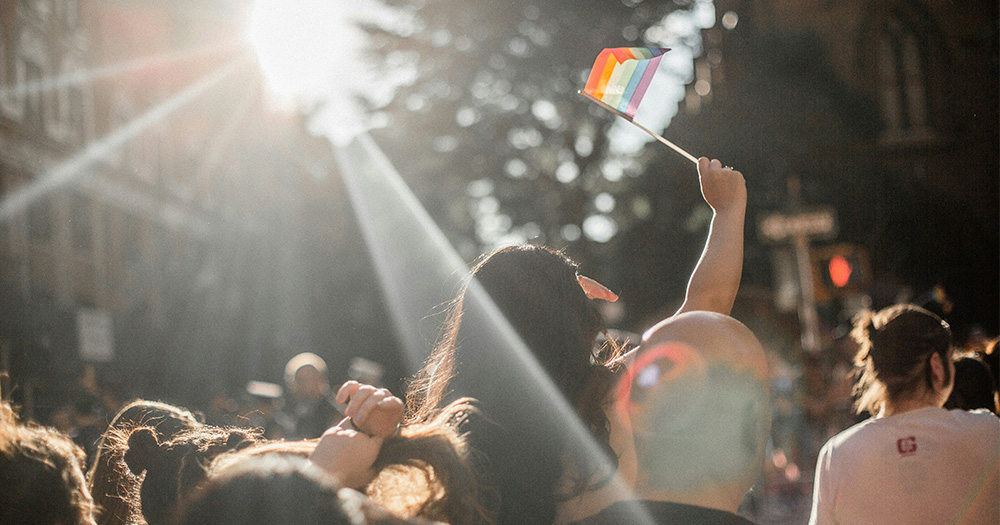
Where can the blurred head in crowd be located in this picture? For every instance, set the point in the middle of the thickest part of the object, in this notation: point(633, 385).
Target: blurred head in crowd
point(992, 358)
point(269, 489)
point(276, 487)
point(305, 376)
point(113, 487)
point(904, 355)
point(419, 473)
point(308, 410)
point(422, 471)
point(41, 476)
point(537, 291)
point(697, 392)
point(974, 387)
point(176, 466)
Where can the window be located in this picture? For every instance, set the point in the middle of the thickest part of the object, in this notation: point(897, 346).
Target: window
point(81, 223)
point(902, 80)
point(4, 46)
point(40, 222)
point(71, 13)
point(75, 115)
point(25, 97)
point(32, 95)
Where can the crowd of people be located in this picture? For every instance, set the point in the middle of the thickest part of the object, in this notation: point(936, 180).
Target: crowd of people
point(528, 411)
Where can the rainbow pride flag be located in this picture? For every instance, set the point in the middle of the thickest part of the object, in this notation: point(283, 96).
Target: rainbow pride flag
point(621, 75)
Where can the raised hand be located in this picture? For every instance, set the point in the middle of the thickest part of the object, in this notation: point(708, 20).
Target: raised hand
point(723, 188)
point(373, 411)
point(716, 278)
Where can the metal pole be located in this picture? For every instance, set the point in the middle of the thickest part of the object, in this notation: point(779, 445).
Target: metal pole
point(808, 317)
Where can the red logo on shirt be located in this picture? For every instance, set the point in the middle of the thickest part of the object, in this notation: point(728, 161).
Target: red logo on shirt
point(907, 446)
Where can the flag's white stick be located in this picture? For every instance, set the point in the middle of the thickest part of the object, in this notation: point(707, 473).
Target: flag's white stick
point(655, 135)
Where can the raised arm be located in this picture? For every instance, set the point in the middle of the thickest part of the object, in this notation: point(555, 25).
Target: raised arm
point(716, 278)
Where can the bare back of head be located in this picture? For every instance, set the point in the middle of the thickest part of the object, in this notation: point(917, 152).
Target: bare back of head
point(697, 394)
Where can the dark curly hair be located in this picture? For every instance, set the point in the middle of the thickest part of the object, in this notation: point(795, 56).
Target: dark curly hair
point(114, 488)
point(522, 450)
point(41, 475)
point(175, 467)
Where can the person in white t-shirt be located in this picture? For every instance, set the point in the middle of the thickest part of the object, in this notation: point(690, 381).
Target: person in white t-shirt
point(913, 462)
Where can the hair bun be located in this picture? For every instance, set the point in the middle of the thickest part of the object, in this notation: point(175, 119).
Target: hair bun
point(142, 450)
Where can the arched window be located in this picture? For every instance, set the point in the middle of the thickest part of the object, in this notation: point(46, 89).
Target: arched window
point(902, 67)
point(71, 97)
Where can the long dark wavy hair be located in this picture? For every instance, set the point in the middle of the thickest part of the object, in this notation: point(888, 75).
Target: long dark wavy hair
point(521, 448)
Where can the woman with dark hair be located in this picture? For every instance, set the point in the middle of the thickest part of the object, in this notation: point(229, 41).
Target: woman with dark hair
point(269, 489)
point(539, 471)
point(913, 461)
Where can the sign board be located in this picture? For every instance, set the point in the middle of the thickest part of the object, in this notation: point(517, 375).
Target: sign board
point(817, 223)
point(95, 334)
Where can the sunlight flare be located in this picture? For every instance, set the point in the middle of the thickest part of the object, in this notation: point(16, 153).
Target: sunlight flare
point(89, 75)
point(68, 171)
point(302, 46)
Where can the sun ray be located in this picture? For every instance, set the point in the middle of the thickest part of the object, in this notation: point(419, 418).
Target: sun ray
point(224, 138)
point(168, 213)
point(18, 201)
point(99, 72)
point(419, 270)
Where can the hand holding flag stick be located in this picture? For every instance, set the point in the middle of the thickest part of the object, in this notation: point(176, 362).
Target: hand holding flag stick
point(618, 81)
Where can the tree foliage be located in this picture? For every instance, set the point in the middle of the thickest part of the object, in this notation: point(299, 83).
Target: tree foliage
point(491, 134)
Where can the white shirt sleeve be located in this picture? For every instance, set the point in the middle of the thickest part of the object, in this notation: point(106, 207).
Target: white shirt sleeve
point(823, 492)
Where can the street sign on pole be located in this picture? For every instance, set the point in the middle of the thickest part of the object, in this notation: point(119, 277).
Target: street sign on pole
point(815, 223)
point(800, 227)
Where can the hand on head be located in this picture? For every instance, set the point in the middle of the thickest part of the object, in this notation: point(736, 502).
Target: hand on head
point(347, 454)
point(349, 449)
point(374, 411)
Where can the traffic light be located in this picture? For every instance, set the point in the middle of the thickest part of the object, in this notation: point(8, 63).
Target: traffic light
point(839, 270)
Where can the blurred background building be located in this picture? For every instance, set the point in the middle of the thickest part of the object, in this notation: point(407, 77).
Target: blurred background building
point(196, 237)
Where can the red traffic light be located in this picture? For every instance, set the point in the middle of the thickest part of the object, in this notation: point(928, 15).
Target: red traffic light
point(840, 270)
